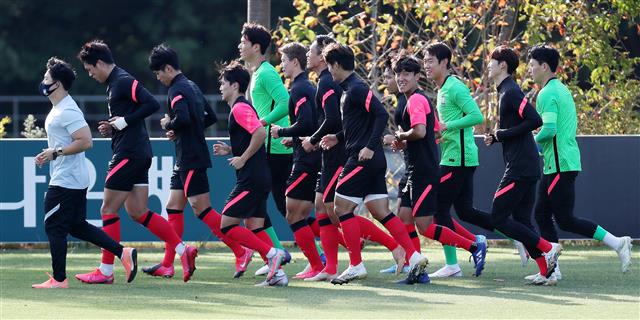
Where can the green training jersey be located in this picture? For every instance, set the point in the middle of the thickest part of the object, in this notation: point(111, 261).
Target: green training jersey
point(271, 101)
point(458, 110)
point(555, 105)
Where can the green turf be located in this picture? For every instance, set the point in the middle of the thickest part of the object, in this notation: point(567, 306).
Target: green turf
point(592, 287)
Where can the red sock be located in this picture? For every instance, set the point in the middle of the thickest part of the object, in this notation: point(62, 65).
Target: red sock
point(110, 226)
point(544, 245)
point(264, 236)
point(446, 236)
point(246, 238)
point(351, 233)
point(542, 265)
point(160, 227)
point(176, 220)
point(459, 229)
point(371, 232)
point(212, 219)
point(329, 237)
point(399, 233)
point(304, 237)
point(413, 235)
point(313, 224)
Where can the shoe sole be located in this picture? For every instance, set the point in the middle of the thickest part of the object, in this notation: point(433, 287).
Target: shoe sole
point(273, 269)
point(134, 261)
point(238, 274)
point(419, 268)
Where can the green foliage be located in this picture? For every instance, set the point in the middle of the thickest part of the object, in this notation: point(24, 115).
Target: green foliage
point(590, 35)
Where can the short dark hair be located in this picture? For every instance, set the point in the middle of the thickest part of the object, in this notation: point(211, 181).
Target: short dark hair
point(322, 41)
point(162, 55)
point(441, 51)
point(296, 50)
point(508, 55)
point(406, 63)
point(62, 71)
point(257, 34)
point(95, 50)
point(235, 72)
point(341, 54)
point(544, 53)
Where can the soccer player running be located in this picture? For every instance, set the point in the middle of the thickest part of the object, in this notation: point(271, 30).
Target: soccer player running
point(188, 114)
point(301, 183)
point(516, 192)
point(127, 181)
point(363, 176)
point(270, 99)
point(417, 137)
point(556, 192)
point(65, 203)
point(248, 199)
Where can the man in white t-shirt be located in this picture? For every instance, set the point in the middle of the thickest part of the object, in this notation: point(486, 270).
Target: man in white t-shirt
point(65, 203)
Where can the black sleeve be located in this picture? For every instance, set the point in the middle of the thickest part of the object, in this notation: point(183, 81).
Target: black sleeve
point(331, 107)
point(304, 119)
point(381, 116)
point(180, 108)
point(530, 117)
point(147, 104)
point(209, 116)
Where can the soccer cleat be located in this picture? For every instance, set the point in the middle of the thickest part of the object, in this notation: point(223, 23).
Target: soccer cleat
point(624, 253)
point(278, 280)
point(540, 280)
point(51, 284)
point(322, 276)
point(130, 263)
point(95, 277)
point(188, 259)
point(262, 271)
point(552, 258)
point(392, 269)
point(479, 257)
point(306, 269)
point(447, 271)
point(423, 278)
point(242, 262)
point(276, 261)
point(418, 265)
point(556, 274)
point(309, 274)
point(481, 238)
point(399, 257)
point(522, 252)
point(350, 274)
point(159, 271)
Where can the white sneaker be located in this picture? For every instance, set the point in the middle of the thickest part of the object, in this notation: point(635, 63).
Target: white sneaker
point(263, 271)
point(557, 272)
point(417, 265)
point(447, 271)
point(399, 257)
point(522, 252)
point(552, 257)
point(531, 277)
point(280, 279)
point(539, 280)
point(624, 253)
point(350, 274)
point(322, 276)
point(305, 270)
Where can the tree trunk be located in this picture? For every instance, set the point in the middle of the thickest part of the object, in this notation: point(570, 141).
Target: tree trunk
point(510, 16)
point(259, 11)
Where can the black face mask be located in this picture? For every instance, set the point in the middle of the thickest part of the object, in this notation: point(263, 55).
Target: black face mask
point(45, 89)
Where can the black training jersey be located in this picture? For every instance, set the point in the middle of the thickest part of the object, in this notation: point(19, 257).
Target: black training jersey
point(243, 122)
point(517, 119)
point(329, 119)
point(190, 114)
point(421, 155)
point(304, 122)
point(129, 99)
point(363, 119)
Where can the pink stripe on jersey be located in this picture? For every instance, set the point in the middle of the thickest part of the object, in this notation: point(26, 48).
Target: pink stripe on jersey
point(246, 117)
point(418, 109)
point(186, 183)
point(504, 190)
point(235, 200)
point(296, 183)
point(298, 104)
point(326, 96)
point(522, 105)
point(175, 99)
point(367, 104)
point(422, 196)
point(134, 86)
point(116, 168)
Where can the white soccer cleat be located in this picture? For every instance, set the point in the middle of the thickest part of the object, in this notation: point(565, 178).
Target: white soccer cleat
point(262, 271)
point(552, 257)
point(350, 274)
point(522, 252)
point(306, 269)
point(322, 276)
point(624, 253)
point(280, 279)
point(540, 280)
point(447, 271)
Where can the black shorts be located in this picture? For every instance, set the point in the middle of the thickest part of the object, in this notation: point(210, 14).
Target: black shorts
point(195, 180)
point(64, 207)
point(362, 180)
point(245, 203)
point(301, 185)
point(326, 183)
point(423, 191)
point(456, 186)
point(403, 192)
point(124, 174)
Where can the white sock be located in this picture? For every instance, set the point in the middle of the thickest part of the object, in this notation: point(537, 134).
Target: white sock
point(612, 241)
point(106, 269)
point(180, 248)
point(271, 253)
